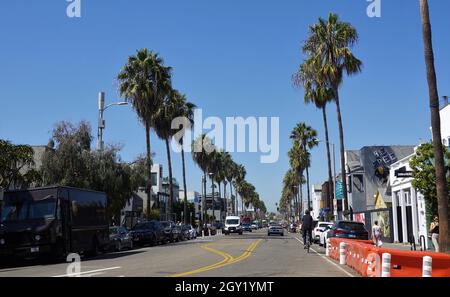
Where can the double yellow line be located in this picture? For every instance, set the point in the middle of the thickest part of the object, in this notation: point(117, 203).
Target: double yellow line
point(227, 258)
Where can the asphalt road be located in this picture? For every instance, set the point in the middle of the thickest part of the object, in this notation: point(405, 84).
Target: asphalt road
point(249, 255)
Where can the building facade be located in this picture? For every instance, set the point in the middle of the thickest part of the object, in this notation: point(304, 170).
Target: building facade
point(408, 205)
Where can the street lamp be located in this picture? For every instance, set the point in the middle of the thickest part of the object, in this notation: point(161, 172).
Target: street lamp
point(101, 121)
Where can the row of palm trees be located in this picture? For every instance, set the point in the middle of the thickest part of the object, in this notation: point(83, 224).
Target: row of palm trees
point(219, 166)
point(304, 138)
point(328, 58)
point(146, 83)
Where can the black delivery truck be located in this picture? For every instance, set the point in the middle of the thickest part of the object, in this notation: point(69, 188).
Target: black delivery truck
point(53, 221)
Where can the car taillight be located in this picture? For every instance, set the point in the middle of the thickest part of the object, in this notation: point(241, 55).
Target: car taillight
point(338, 231)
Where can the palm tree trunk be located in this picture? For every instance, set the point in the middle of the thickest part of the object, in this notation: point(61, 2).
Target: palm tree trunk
point(232, 200)
point(149, 168)
point(342, 149)
point(441, 183)
point(330, 176)
point(301, 195)
point(184, 185)
point(225, 197)
point(169, 164)
point(307, 184)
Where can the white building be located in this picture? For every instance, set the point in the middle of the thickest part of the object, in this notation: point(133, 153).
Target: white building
point(445, 123)
point(157, 178)
point(408, 205)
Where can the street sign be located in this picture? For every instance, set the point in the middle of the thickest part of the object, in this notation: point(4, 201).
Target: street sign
point(406, 174)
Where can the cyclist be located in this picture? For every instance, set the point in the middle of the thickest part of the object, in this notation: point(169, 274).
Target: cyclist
point(307, 226)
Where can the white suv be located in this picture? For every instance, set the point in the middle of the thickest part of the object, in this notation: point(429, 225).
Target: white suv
point(319, 229)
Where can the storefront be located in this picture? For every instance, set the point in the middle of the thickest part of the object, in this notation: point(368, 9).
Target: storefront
point(408, 205)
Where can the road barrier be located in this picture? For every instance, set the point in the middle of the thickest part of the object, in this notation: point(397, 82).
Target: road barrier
point(368, 260)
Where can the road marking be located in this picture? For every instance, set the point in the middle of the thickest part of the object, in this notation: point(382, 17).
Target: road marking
point(324, 257)
point(87, 272)
point(228, 259)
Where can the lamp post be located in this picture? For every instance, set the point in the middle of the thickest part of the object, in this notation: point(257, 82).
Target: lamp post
point(101, 121)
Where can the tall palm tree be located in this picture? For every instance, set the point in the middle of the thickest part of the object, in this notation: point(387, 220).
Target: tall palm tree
point(141, 81)
point(202, 149)
point(441, 183)
point(318, 93)
point(172, 107)
point(229, 169)
point(307, 138)
point(299, 159)
point(239, 182)
point(187, 120)
point(328, 47)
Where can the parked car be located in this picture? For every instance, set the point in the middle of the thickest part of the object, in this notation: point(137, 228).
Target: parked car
point(178, 234)
point(168, 227)
point(318, 230)
point(120, 238)
point(275, 229)
point(254, 227)
point(348, 229)
point(187, 231)
point(213, 229)
point(247, 228)
point(324, 236)
point(148, 233)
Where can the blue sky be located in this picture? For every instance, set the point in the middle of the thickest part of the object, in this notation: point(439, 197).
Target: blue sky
point(231, 58)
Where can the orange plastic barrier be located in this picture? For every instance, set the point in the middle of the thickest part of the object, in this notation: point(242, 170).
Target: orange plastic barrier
point(365, 258)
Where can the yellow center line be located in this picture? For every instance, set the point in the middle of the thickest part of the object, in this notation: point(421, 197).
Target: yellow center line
point(228, 259)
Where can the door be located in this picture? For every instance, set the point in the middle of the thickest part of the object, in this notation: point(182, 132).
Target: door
point(66, 225)
point(399, 223)
point(409, 225)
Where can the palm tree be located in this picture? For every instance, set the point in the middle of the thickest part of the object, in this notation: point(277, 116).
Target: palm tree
point(441, 183)
point(328, 47)
point(187, 120)
point(172, 107)
point(239, 181)
point(318, 93)
point(307, 138)
point(299, 159)
point(141, 82)
point(202, 148)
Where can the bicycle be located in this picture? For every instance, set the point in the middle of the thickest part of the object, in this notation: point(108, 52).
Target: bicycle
point(308, 242)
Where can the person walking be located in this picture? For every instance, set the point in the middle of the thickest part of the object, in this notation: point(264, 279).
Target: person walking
point(376, 234)
point(434, 231)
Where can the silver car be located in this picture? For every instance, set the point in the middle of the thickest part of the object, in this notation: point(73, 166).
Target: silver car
point(275, 229)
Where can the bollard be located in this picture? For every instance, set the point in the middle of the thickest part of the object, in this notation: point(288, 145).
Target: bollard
point(386, 265)
point(342, 247)
point(327, 249)
point(427, 266)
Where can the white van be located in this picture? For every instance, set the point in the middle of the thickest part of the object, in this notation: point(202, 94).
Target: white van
point(233, 225)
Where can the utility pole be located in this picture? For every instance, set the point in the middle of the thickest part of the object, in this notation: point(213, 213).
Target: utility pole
point(334, 183)
point(101, 121)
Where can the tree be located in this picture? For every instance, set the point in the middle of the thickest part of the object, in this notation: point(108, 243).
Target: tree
point(424, 173)
point(329, 49)
point(307, 139)
point(317, 92)
point(144, 82)
point(202, 148)
point(187, 121)
point(68, 161)
point(239, 180)
point(171, 108)
point(16, 166)
point(442, 188)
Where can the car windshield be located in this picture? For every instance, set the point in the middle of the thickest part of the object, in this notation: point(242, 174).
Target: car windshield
point(352, 226)
point(43, 209)
point(233, 222)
